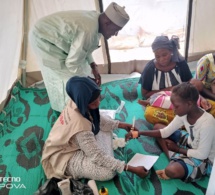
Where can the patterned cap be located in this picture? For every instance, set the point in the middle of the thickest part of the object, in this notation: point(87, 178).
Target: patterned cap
point(117, 14)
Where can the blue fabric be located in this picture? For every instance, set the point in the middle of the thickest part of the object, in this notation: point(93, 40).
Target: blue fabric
point(181, 136)
point(183, 164)
point(82, 91)
point(175, 137)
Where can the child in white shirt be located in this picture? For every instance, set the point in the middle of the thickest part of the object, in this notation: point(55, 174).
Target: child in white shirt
point(194, 149)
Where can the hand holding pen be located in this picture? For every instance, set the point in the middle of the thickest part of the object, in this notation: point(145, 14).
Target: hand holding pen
point(133, 133)
point(132, 128)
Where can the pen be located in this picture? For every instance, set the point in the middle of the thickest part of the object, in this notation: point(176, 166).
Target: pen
point(133, 122)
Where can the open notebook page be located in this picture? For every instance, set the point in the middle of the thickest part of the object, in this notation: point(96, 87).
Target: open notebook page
point(143, 160)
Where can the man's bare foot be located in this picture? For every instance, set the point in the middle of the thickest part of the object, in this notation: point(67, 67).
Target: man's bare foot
point(161, 174)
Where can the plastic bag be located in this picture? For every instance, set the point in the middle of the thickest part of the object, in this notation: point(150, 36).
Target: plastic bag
point(55, 186)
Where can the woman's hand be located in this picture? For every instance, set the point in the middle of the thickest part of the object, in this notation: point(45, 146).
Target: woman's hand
point(125, 126)
point(167, 89)
point(128, 136)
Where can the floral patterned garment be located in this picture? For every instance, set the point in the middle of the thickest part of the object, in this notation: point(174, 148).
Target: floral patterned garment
point(95, 159)
point(206, 70)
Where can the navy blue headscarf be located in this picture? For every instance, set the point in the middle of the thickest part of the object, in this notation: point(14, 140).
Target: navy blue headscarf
point(83, 91)
point(163, 42)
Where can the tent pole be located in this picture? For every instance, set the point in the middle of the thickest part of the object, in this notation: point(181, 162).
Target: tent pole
point(25, 41)
point(99, 6)
point(189, 21)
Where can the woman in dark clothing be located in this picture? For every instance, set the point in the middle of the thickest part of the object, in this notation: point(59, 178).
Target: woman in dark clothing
point(168, 69)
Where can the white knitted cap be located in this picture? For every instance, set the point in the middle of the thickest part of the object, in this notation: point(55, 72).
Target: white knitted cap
point(117, 14)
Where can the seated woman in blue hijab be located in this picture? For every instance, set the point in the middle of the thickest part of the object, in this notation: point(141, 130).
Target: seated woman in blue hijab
point(80, 142)
point(166, 70)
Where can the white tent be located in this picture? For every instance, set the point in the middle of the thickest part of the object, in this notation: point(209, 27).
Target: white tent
point(192, 20)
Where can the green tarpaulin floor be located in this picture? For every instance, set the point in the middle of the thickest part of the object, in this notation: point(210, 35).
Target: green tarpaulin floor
point(25, 124)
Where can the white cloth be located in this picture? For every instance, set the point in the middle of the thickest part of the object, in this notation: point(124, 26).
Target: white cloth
point(203, 144)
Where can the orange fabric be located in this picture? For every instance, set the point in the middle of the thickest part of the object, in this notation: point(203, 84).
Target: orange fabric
point(159, 115)
point(212, 110)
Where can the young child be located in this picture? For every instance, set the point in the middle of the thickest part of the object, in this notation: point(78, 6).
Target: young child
point(194, 149)
point(161, 99)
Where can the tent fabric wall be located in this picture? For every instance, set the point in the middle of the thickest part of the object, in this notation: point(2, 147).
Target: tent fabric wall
point(148, 20)
point(130, 58)
point(11, 14)
point(202, 37)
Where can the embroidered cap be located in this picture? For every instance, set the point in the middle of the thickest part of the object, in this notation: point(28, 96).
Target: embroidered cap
point(117, 14)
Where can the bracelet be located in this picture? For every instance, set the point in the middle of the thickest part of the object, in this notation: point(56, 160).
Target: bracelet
point(135, 134)
point(126, 167)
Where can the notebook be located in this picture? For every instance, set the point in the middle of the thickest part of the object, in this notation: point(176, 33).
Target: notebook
point(143, 160)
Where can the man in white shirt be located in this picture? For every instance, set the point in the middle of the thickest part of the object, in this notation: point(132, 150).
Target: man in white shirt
point(64, 42)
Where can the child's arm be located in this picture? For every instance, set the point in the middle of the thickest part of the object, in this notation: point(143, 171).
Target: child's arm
point(182, 151)
point(165, 132)
point(136, 133)
point(172, 146)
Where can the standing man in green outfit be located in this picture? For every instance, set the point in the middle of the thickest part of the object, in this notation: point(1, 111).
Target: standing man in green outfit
point(64, 42)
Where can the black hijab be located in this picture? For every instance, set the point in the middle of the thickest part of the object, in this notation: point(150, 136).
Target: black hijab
point(171, 44)
point(83, 91)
